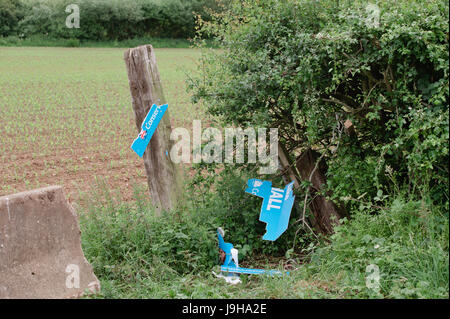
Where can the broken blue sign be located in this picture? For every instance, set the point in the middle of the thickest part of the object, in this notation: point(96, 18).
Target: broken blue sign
point(231, 254)
point(148, 127)
point(231, 262)
point(276, 207)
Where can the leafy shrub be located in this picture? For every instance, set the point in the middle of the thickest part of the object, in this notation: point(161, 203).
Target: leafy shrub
point(73, 43)
point(308, 67)
point(408, 242)
point(103, 19)
point(11, 12)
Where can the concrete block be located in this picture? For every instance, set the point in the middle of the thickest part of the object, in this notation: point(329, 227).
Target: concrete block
point(40, 247)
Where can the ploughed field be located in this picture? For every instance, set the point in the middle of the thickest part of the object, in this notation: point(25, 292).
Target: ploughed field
point(66, 117)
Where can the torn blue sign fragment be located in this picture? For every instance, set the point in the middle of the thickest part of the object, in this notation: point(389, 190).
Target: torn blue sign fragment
point(276, 207)
point(148, 127)
point(230, 265)
point(250, 271)
point(231, 254)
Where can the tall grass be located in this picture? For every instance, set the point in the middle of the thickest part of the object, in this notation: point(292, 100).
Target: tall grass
point(43, 41)
point(134, 249)
point(138, 254)
point(408, 242)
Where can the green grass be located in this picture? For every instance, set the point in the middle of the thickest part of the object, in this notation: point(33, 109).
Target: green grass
point(409, 243)
point(41, 41)
point(137, 254)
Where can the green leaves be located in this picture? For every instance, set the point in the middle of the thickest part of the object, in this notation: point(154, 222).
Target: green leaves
point(103, 19)
point(308, 66)
point(373, 98)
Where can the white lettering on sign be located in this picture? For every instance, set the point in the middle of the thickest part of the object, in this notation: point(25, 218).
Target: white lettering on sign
point(150, 122)
point(257, 183)
point(275, 194)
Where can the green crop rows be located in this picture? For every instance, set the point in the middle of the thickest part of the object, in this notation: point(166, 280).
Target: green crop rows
point(66, 115)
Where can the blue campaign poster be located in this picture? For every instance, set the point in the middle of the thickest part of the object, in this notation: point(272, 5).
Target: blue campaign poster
point(148, 127)
point(276, 207)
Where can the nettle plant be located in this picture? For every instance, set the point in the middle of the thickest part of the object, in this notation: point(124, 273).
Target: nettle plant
point(365, 85)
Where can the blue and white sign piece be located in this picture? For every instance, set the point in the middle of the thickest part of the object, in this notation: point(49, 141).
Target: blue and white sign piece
point(231, 254)
point(148, 127)
point(231, 262)
point(276, 207)
point(250, 271)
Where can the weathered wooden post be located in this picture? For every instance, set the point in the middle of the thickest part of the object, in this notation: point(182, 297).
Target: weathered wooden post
point(146, 89)
point(326, 214)
point(310, 167)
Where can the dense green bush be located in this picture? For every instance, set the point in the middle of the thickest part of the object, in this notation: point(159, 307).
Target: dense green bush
point(103, 19)
point(173, 18)
point(306, 67)
point(11, 12)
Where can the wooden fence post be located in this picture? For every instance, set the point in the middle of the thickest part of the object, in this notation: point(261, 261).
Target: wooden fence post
point(146, 89)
